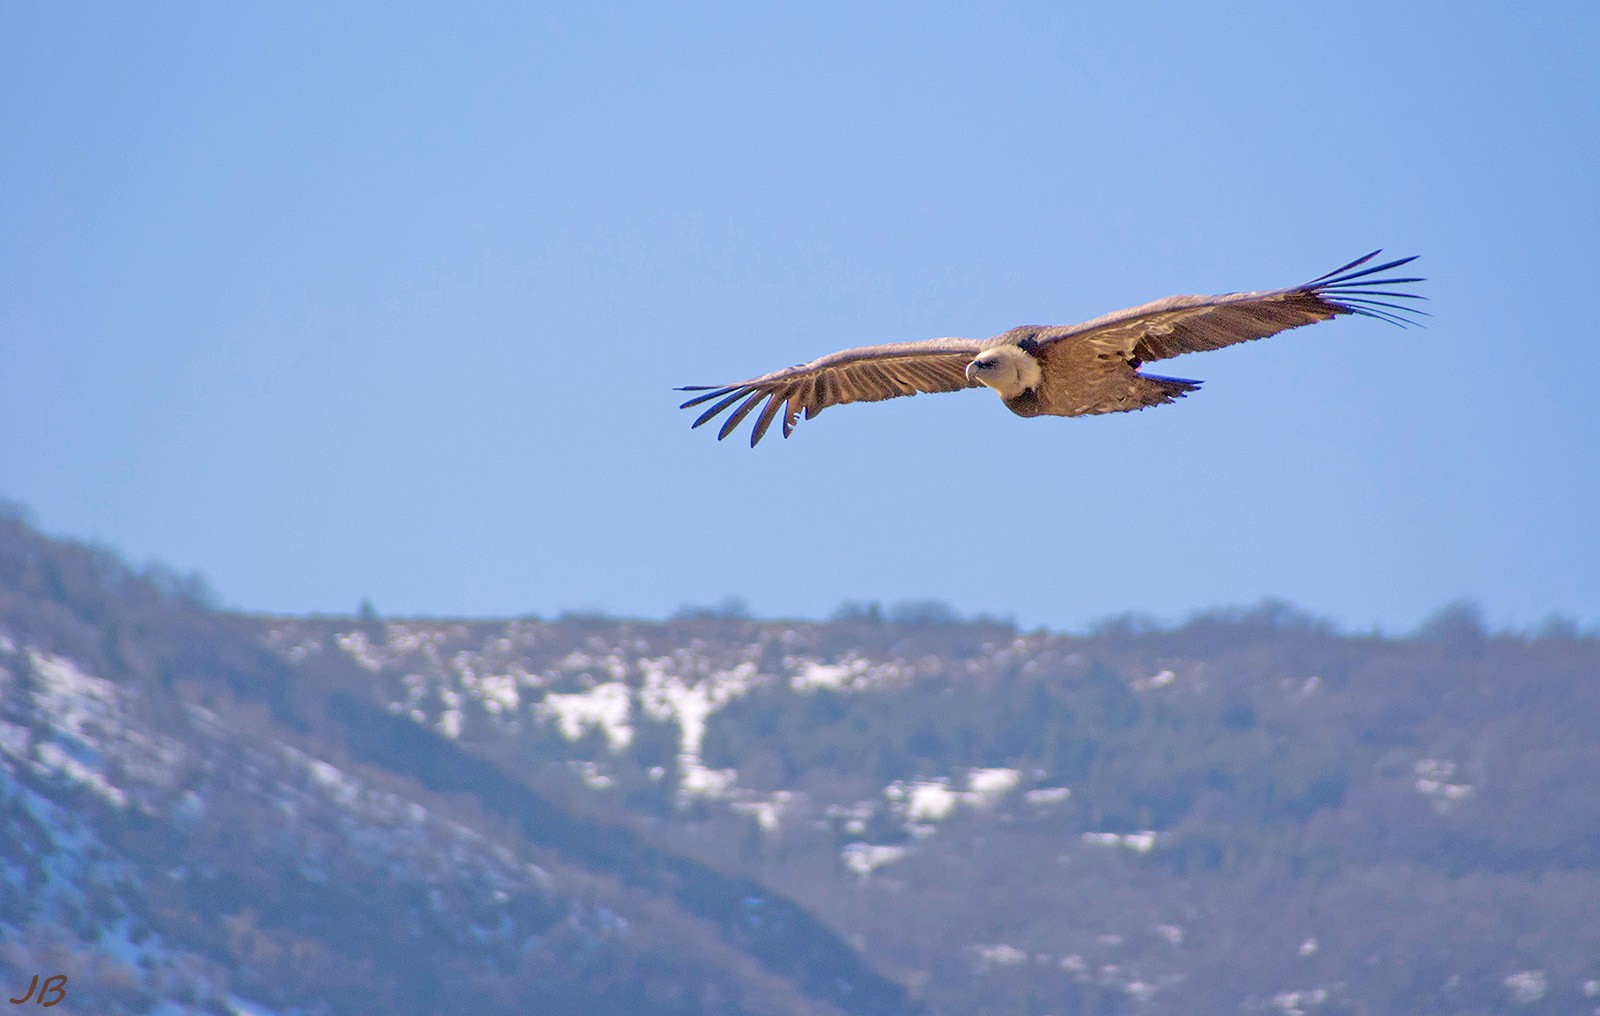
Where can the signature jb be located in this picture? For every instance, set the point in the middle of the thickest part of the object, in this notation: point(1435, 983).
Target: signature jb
point(57, 984)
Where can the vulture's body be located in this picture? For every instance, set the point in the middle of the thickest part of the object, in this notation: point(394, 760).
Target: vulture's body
point(1059, 370)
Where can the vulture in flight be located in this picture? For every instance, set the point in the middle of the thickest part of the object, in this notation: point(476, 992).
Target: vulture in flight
point(1060, 370)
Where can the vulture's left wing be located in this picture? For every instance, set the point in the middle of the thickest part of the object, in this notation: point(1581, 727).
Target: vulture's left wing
point(864, 374)
point(1191, 324)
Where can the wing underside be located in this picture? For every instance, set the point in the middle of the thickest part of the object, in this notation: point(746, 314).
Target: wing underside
point(865, 374)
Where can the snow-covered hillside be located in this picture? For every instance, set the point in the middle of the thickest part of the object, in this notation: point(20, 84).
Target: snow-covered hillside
point(207, 812)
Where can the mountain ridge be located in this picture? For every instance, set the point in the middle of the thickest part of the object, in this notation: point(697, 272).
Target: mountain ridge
point(1250, 811)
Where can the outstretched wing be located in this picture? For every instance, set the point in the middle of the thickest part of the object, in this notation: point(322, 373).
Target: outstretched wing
point(864, 374)
point(1191, 324)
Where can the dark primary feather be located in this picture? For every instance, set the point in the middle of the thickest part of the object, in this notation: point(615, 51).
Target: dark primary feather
point(865, 374)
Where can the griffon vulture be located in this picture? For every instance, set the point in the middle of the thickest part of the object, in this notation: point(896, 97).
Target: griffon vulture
point(1060, 370)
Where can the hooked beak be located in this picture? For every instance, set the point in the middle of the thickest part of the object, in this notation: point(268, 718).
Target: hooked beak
point(972, 371)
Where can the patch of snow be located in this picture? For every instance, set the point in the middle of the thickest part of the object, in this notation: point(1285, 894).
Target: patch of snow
point(768, 813)
point(1044, 796)
point(1434, 780)
point(666, 695)
point(1139, 990)
point(606, 706)
point(695, 780)
point(813, 675)
point(87, 734)
point(499, 692)
point(930, 802)
point(413, 640)
point(999, 955)
point(450, 724)
point(1160, 679)
point(331, 778)
point(1293, 1003)
point(989, 785)
point(1526, 987)
point(244, 1007)
point(865, 858)
point(358, 647)
point(72, 690)
point(855, 816)
point(591, 775)
point(1140, 842)
point(54, 760)
point(849, 674)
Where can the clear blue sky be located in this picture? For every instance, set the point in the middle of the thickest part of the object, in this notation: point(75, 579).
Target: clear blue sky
point(333, 301)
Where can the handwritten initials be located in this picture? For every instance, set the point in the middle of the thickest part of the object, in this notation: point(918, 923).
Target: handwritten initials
point(57, 984)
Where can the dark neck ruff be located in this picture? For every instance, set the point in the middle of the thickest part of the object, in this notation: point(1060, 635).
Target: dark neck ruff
point(1026, 404)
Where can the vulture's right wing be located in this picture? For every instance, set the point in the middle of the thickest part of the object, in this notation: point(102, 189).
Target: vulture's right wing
point(864, 374)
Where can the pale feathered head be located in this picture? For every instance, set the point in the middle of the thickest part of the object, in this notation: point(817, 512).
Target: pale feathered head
point(1006, 369)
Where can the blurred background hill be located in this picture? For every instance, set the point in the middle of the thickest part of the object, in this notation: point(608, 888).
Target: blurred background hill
point(894, 811)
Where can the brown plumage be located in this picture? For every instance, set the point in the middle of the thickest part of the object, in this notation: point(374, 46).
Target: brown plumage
point(1059, 370)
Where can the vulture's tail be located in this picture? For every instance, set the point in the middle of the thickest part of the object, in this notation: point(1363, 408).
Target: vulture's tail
point(1156, 389)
